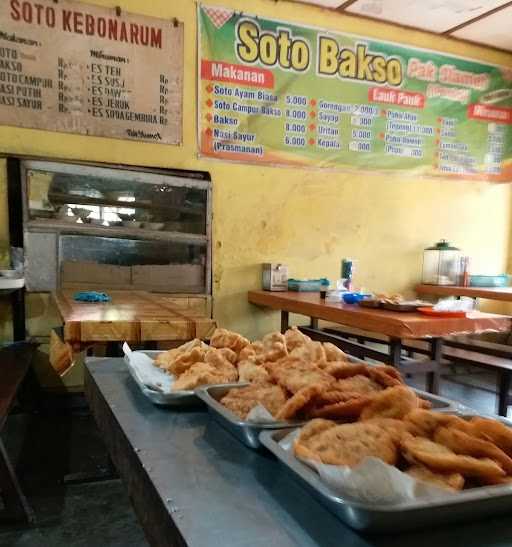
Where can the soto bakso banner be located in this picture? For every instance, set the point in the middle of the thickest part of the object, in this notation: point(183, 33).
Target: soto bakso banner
point(272, 92)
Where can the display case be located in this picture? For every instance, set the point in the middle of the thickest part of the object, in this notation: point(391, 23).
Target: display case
point(128, 228)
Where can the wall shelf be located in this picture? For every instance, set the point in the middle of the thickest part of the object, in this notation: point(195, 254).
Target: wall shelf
point(63, 227)
point(65, 199)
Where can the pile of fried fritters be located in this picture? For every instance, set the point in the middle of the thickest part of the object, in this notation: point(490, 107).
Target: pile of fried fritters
point(196, 364)
point(443, 449)
point(296, 378)
point(354, 410)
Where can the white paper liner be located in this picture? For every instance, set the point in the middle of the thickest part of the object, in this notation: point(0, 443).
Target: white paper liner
point(147, 373)
point(372, 481)
point(260, 415)
point(152, 376)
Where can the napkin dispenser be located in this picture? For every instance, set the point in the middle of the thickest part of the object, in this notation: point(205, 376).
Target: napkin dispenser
point(275, 277)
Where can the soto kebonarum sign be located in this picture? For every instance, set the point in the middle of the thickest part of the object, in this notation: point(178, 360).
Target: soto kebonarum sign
point(280, 93)
point(77, 68)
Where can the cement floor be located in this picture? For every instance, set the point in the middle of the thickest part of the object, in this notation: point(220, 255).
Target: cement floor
point(52, 446)
point(49, 449)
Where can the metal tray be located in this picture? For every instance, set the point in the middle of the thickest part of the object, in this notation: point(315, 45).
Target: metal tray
point(246, 432)
point(441, 404)
point(249, 434)
point(176, 398)
point(399, 307)
point(467, 505)
point(369, 303)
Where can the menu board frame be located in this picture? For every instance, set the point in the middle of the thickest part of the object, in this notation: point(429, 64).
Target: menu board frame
point(446, 155)
point(73, 67)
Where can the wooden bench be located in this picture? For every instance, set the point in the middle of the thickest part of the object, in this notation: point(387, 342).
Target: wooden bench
point(14, 366)
point(483, 354)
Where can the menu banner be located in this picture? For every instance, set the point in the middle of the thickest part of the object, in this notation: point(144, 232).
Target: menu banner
point(77, 68)
point(285, 94)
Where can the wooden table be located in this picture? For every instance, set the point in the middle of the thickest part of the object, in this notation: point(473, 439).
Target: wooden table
point(193, 484)
point(397, 326)
point(134, 316)
point(503, 294)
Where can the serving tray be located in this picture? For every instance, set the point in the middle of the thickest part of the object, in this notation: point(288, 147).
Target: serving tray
point(246, 432)
point(174, 398)
point(465, 505)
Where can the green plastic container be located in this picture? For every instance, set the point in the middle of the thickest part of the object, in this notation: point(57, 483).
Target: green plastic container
point(488, 280)
point(307, 285)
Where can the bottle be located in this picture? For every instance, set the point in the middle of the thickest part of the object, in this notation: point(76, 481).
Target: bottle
point(465, 271)
point(347, 272)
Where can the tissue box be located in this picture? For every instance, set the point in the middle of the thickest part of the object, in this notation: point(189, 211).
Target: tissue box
point(275, 277)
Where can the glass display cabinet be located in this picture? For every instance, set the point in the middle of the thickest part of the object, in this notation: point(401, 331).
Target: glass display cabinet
point(116, 228)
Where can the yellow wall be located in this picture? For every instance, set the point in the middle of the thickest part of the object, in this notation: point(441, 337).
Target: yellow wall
point(307, 219)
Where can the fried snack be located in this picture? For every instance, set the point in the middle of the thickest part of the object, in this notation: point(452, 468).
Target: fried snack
point(248, 371)
point(312, 352)
point(358, 384)
point(462, 443)
point(427, 421)
point(200, 374)
point(390, 371)
point(396, 428)
point(334, 353)
point(252, 352)
point(387, 299)
point(295, 374)
point(449, 481)
point(334, 368)
point(346, 444)
point(334, 395)
point(164, 359)
point(222, 338)
point(229, 354)
point(269, 340)
point(274, 352)
point(185, 360)
point(294, 338)
point(314, 427)
point(298, 401)
point(242, 400)
point(493, 431)
point(226, 353)
point(385, 375)
point(348, 410)
point(440, 458)
point(221, 359)
point(341, 370)
point(394, 402)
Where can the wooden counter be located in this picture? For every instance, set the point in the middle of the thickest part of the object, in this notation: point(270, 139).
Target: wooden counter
point(503, 294)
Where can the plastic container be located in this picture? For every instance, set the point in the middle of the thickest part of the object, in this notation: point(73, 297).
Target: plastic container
point(307, 285)
point(353, 297)
point(441, 264)
point(488, 280)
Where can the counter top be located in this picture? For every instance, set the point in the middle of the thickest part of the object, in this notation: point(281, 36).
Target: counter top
point(192, 483)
